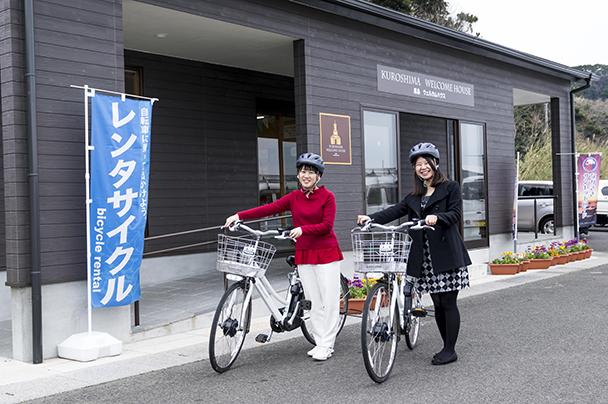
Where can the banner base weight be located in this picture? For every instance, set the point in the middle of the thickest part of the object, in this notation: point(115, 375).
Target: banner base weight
point(89, 346)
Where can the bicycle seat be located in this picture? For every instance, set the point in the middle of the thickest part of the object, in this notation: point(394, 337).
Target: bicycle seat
point(291, 260)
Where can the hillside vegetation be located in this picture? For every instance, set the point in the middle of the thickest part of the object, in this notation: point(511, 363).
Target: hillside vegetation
point(591, 112)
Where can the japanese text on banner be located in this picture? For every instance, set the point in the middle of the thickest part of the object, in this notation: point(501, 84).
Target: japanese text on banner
point(588, 182)
point(119, 192)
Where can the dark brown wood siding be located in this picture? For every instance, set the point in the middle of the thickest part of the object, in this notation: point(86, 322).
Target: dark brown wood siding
point(204, 163)
point(14, 143)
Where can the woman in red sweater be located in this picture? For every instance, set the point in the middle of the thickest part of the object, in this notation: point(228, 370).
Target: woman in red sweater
point(318, 254)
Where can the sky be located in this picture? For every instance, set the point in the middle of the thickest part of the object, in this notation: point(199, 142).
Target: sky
point(570, 33)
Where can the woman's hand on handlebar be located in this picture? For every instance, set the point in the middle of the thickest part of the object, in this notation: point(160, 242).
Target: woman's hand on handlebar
point(362, 219)
point(295, 233)
point(430, 220)
point(230, 220)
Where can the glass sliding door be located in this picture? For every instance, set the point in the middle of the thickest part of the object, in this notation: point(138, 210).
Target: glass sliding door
point(381, 160)
point(276, 157)
point(276, 162)
point(472, 158)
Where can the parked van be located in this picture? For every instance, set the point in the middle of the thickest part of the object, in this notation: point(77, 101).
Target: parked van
point(542, 192)
point(602, 204)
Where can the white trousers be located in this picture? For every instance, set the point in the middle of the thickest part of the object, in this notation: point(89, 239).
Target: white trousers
point(321, 285)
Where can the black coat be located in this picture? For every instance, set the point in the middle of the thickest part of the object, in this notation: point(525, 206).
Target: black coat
point(445, 243)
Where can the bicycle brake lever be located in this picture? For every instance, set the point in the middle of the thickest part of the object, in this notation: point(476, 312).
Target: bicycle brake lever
point(234, 226)
point(285, 236)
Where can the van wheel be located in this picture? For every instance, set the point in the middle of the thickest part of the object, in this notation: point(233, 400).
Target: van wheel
point(547, 225)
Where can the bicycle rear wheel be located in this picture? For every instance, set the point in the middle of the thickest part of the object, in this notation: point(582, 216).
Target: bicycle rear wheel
point(379, 336)
point(344, 296)
point(412, 323)
point(229, 327)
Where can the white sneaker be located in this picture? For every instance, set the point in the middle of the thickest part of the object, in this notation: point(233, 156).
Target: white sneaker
point(322, 354)
point(312, 351)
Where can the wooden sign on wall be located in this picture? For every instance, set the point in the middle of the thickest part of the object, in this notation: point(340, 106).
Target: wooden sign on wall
point(335, 138)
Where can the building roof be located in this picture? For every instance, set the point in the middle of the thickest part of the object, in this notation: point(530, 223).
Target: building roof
point(368, 12)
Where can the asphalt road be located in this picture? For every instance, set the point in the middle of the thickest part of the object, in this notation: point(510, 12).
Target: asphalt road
point(542, 342)
point(598, 238)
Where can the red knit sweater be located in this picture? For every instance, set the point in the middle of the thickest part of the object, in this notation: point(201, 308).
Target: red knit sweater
point(315, 214)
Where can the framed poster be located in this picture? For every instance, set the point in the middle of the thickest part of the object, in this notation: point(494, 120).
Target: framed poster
point(335, 138)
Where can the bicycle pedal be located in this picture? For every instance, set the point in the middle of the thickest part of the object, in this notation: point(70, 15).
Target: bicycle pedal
point(306, 304)
point(261, 338)
point(419, 312)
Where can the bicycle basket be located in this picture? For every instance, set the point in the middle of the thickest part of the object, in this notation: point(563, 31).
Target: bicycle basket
point(380, 251)
point(243, 256)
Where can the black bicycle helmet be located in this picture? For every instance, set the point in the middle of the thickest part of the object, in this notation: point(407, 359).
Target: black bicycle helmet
point(424, 149)
point(311, 159)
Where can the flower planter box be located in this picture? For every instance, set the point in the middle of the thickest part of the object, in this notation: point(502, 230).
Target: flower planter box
point(587, 253)
point(541, 263)
point(504, 269)
point(573, 256)
point(560, 260)
point(355, 305)
point(524, 266)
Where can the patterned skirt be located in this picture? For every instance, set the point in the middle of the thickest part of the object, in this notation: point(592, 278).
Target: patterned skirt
point(429, 282)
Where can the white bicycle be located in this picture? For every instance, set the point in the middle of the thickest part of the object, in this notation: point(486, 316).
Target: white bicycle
point(245, 261)
point(393, 306)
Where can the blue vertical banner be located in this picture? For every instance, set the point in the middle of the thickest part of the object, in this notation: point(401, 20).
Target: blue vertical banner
point(120, 166)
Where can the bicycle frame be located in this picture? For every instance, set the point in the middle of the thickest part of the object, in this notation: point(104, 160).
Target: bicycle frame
point(268, 293)
point(397, 299)
point(265, 289)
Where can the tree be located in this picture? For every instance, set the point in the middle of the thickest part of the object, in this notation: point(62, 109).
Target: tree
point(599, 86)
point(435, 11)
point(531, 126)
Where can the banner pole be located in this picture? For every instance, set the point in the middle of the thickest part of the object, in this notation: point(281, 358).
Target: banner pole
point(515, 204)
point(87, 177)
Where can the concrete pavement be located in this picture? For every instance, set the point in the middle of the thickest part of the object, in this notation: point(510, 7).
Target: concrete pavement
point(21, 381)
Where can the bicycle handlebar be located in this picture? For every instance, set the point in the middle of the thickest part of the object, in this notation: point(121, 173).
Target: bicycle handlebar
point(279, 235)
point(258, 233)
point(285, 236)
point(414, 225)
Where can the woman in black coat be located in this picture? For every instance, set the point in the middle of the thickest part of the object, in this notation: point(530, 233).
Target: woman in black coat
point(438, 258)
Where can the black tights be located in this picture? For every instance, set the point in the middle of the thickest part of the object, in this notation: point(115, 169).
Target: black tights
point(447, 318)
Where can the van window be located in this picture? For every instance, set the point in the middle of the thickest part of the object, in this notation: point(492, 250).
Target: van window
point(605, 191)
point(535, 190)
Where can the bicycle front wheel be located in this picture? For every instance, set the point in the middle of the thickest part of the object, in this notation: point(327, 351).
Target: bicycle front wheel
point(344, 296)
point(229, 327)
point(412, 323)
point(379, 335)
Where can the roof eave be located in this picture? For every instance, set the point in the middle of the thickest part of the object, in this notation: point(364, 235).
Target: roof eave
point(395, 16)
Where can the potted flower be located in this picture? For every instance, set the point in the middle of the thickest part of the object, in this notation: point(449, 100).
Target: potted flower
point(539, 257)
point(585, 248)
point(506, 264)
point(524, 261)
point(357, 291)
point(575, 250)
point(558, 251)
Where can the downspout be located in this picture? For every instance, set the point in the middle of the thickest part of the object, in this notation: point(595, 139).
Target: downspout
point(573, 146)
point(32, 135)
